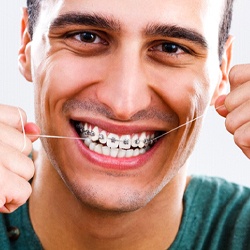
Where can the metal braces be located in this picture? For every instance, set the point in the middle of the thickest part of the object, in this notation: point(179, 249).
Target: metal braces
point(88, 133)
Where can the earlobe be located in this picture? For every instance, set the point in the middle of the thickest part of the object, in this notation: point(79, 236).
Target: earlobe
point(24, 55)
point(225, 69)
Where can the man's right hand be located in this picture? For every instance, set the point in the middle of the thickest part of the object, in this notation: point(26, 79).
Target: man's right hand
point(16, 168)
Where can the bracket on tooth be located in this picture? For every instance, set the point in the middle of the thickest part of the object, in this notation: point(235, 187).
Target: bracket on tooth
point(146, 142)
point(137, 141)
point(87, 133)
point(113, 140)
point(101, 137)
point(126, 142)
point(92, 133)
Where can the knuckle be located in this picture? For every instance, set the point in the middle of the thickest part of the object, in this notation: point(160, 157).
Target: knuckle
point(22, 193)
point(230, 124)
point(242, 138)
point(30, 169)
point(28, 146)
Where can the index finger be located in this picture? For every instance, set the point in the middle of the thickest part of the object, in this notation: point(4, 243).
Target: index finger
point(10, 116)
point(238, 75)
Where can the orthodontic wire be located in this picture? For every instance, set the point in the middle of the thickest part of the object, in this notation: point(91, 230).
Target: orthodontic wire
point(87, 135)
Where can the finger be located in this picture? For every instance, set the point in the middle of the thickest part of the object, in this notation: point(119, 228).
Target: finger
point(14, 138)
point(16, 162)
point(242, 138)
point(15, 191)
point(238, 75)
point(238, 96)
point(220, 106)
point(237, 118)
point(32, 131)
point(10, 116)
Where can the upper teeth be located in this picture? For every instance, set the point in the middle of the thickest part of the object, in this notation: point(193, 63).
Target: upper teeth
point(114, 141)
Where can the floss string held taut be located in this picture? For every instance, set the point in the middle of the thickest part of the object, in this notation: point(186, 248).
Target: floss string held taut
point(78, 138)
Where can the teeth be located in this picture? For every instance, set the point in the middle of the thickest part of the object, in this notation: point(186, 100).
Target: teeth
point(106, 151)
point(92, 146)
point(121, 153)
point(103, 137)
point(136, 152)
point(125, 142)
point(95, 134)
point(114, 152)
point(135, 141)
point(87, 141)
point(142, 140)
point(98, 149)
point(129, 153)
point(142, 151)
point(113, 141)
point(113, 145)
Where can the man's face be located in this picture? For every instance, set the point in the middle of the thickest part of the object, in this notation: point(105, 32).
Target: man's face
point(128, 71)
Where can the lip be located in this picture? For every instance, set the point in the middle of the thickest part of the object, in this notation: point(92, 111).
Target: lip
point(107, 162)
point(117, 128)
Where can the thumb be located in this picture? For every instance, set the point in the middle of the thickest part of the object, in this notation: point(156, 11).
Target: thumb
point(32, 131)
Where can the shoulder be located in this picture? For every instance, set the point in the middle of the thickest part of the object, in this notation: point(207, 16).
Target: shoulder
point(216, 197)
point(212, 189)
point(216, 215)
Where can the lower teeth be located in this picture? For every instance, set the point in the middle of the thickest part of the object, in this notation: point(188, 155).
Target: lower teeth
point(114, 152)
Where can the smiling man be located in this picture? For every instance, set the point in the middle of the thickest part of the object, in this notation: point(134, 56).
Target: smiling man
point(120, 79)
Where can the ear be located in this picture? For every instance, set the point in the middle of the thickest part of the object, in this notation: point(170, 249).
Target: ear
point(224, 69)
point(24, 55)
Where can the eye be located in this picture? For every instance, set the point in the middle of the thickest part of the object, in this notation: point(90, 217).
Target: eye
point(169, 48)
point(85, 37)
point(87, 42)
point(88, 37)
point(171, 53)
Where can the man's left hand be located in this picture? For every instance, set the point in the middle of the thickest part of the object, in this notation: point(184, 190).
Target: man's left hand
point(235, 107)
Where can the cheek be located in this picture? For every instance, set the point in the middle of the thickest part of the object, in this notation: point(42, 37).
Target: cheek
point(60, 78)
point(65, 77)
point(185, 91)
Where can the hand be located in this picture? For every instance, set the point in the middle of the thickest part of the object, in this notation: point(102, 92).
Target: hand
point(16, 168)
point(236, 107)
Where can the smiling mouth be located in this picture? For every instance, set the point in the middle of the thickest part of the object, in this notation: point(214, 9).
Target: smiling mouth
point(113, 145)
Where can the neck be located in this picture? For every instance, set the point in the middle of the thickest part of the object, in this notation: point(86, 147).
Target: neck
point(152, 227)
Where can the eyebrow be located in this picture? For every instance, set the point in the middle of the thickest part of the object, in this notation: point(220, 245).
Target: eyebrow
point(76, 18)
point(109, 23)
point(175, 31)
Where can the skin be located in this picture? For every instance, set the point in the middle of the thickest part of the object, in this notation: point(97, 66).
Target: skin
point(125, 77)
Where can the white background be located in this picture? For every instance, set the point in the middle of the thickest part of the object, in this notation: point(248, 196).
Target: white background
point(215, 154)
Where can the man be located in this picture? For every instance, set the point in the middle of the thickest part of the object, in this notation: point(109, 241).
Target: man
point(121, 76)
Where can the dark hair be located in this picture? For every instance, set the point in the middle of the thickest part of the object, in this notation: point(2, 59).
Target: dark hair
point(225, 25)
point(33, 7)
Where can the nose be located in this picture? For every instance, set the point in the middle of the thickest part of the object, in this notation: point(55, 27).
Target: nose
point(125, 90)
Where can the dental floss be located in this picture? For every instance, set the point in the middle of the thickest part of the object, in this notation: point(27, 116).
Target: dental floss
point(24, 135)
point(78, 138)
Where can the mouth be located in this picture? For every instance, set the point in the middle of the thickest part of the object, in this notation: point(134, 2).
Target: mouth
point(113, 145)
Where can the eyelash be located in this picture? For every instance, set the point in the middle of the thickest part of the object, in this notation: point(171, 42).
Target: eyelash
point(91, 35)
point(93, 39)
point(176, 49)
